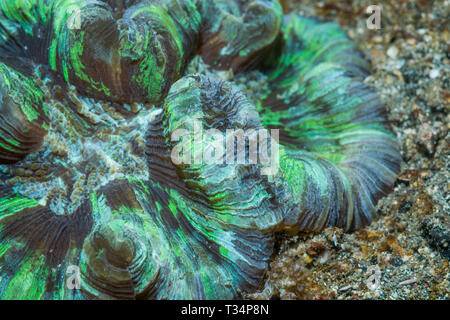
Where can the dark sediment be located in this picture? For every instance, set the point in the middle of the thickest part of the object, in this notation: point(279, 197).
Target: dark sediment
point(409, 242)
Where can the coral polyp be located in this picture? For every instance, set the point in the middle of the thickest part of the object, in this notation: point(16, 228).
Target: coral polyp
point(91, 95)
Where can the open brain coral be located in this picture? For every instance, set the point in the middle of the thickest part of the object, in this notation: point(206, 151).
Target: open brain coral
point(91, 93)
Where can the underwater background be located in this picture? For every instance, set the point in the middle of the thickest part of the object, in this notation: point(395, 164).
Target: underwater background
point(409, 243)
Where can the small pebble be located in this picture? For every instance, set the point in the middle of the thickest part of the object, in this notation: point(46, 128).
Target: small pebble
point(435, 73)
point(409, 281)
point(392, 52)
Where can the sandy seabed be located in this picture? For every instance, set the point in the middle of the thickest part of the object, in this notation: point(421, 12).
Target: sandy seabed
point(405, 253)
